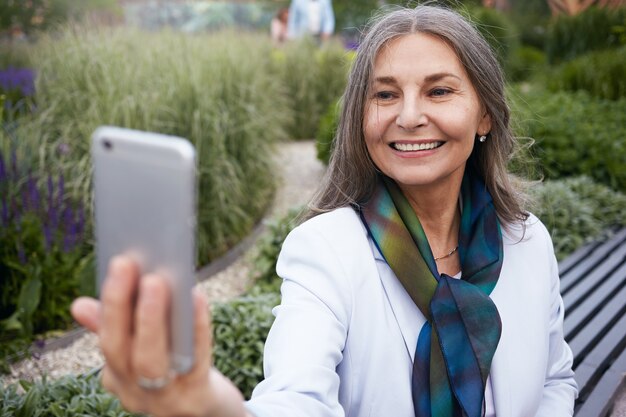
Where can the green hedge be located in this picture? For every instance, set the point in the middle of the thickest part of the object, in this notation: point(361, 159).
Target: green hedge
point(602, 74)
point(593, 29)
point(577, 211)
point(575, 134)
point(524, 62)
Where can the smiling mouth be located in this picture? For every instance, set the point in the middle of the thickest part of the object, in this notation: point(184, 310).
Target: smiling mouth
point(412, 147)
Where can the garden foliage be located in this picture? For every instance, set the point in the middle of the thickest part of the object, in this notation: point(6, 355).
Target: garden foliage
point(594, 29)
point(45, 257)
point(602, 74)
point(240, 326)
point(313, 78)
point(324, 139)
point(218, 93)
point(575, 134)
point(17, 88)
point(497, 29)
point(69, 396)
point(577, 210)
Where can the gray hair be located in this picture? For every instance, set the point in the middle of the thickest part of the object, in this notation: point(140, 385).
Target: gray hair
point(351, 175)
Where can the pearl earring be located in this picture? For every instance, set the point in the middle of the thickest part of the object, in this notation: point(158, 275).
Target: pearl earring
point(483, 138)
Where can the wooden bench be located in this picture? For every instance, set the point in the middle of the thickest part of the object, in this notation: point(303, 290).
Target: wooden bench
point(593, 285)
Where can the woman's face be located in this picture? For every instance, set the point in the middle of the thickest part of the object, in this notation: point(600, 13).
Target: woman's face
point(422, 113)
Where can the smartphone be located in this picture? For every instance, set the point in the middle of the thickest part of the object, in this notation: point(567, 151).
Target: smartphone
point(145, 207)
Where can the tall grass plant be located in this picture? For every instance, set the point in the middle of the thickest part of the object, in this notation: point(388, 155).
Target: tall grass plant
point(314, 78)
point(215, 90)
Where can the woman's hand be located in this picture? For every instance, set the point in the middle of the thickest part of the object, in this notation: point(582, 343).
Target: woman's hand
point(132, 322)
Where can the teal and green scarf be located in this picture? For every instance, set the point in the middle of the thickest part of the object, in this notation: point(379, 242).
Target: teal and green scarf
point(455, 347)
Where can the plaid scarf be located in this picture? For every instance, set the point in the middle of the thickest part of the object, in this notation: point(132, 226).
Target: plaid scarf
point(455, 347)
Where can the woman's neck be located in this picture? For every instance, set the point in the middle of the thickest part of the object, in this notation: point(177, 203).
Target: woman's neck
point(437, 209)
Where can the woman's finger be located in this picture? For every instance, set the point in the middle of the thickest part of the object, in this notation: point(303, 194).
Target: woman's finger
point(203, 332)
point(118, 299)
point(86, 311)
point(150, 355)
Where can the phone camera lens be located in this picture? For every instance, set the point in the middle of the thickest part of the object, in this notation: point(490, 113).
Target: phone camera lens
point(107, 145)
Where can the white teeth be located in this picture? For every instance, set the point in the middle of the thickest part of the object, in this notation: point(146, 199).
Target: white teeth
point(406, 147)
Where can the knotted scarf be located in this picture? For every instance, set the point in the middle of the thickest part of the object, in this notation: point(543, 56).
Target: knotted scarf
point(456, 346)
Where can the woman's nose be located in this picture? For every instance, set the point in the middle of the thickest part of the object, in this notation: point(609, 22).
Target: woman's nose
point(411, 115)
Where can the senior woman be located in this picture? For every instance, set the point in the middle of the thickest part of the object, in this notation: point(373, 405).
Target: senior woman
point(419, 285)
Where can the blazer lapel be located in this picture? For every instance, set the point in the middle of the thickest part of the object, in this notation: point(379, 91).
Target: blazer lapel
point(407, 315)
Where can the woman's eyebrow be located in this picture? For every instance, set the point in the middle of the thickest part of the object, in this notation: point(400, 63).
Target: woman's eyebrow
point(428, 79)
point(385, 80)
point(439, 76)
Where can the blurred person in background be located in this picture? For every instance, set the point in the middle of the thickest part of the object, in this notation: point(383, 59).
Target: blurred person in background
point(278, 26)
point(311, 18)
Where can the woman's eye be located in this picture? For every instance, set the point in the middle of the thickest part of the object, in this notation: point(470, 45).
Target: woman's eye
point(383, 95)
point(439, 92)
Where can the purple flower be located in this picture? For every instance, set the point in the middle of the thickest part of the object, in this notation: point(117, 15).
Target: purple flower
point(50, 184)
point(20, 79)
point(33, 193)
point(47, 237)
point(80, 226)
point(3, 171)
point(61, 190)
point(69, 229)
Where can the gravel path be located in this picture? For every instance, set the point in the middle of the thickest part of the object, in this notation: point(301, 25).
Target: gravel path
point(300, 172)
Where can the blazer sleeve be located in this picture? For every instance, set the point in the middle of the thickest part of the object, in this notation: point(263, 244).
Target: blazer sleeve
point(560, 389)
point(306, 341)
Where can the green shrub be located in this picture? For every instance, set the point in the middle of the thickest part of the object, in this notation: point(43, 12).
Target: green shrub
point(577, 211)
point(217, 91)
point(575, 134)
point(524, 62)
point(497, 29)
point(264, 270)
point(240, 328)
point(326, 132)
point(602, 74)
point(531, 19)
point(68, 396)
point(313, 78)
point(595, 28)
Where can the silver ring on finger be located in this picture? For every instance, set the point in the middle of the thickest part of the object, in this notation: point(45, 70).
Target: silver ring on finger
point(152, 384)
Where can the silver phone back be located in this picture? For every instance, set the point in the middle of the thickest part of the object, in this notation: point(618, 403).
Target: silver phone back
point(145, 207)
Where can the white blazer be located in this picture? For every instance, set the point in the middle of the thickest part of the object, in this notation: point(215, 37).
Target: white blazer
point(345, 331)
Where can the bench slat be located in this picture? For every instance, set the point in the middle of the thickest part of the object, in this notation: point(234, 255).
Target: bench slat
point(600, 401)
point(597, 309)
point(577, 256)
point(599, 355)
point(570, 278)
point(592, 281)
point(594, 329)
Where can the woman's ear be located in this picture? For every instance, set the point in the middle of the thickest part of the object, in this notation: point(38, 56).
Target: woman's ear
point(484, 126)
